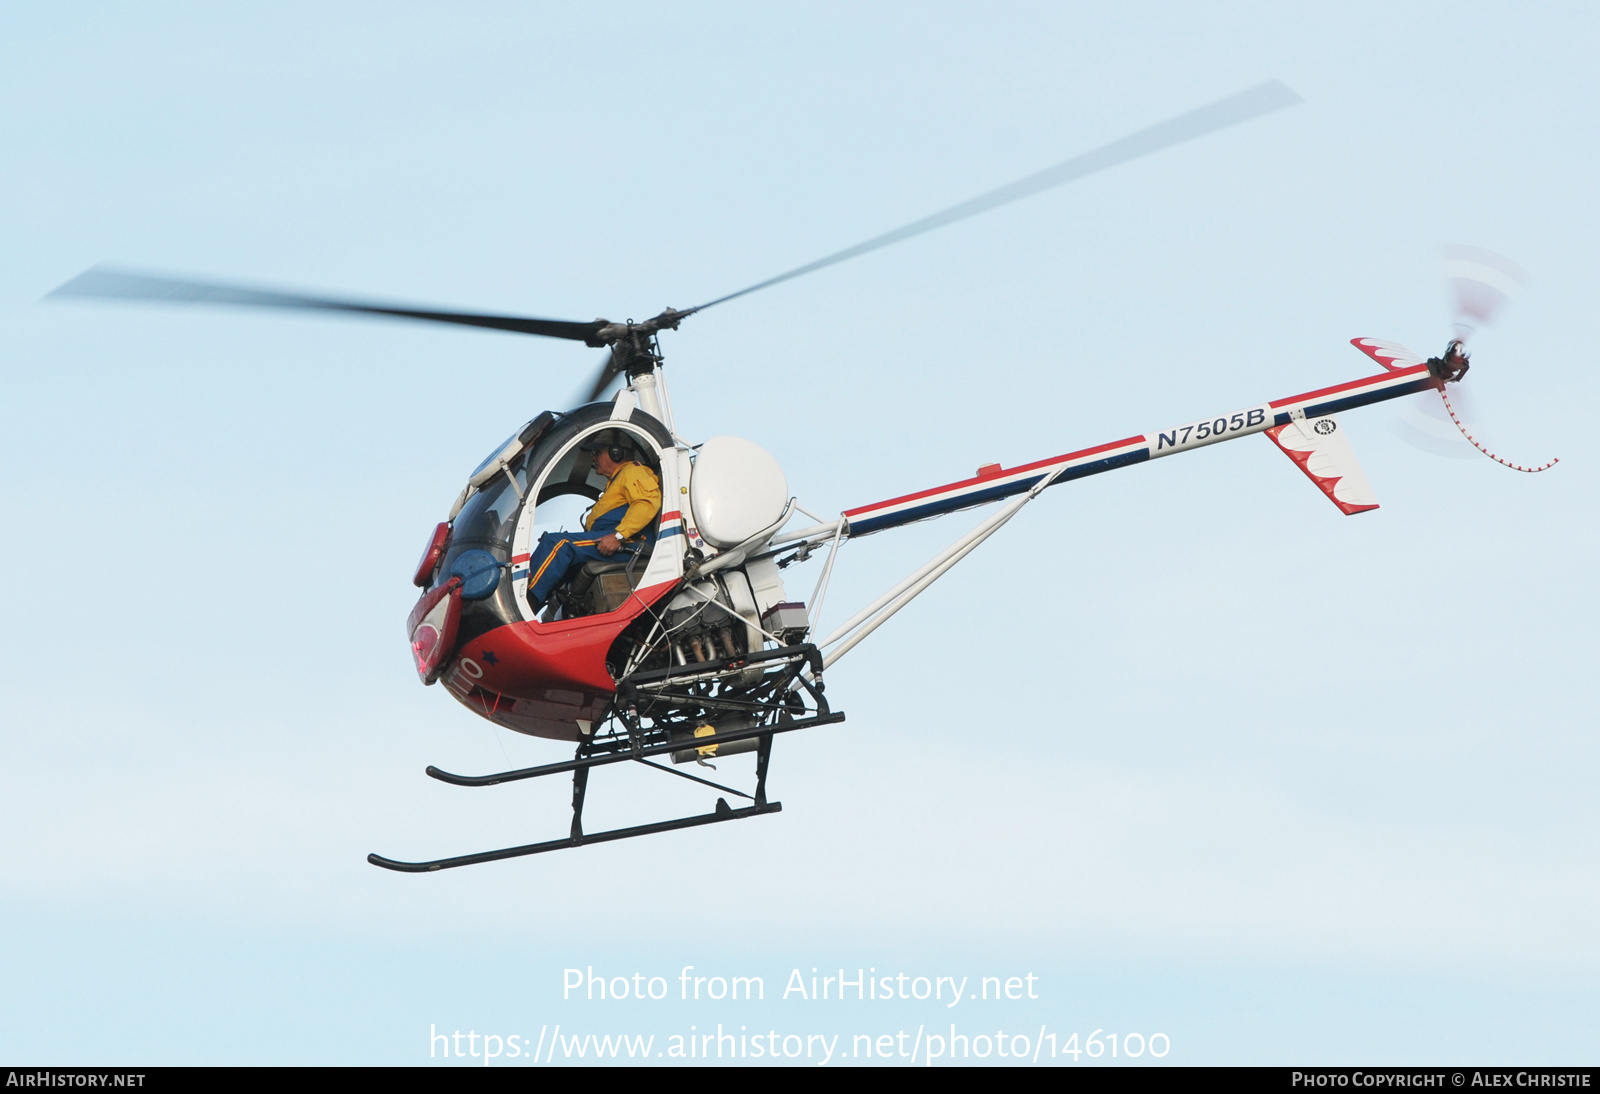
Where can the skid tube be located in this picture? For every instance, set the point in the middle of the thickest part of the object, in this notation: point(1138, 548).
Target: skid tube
point(633, 749)
point(723, 812)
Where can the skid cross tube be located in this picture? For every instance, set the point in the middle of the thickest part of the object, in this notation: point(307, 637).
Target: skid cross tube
point(577, 837)
point(626, 756)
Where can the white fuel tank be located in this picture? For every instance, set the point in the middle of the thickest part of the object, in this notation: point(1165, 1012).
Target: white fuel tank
point(736, 490)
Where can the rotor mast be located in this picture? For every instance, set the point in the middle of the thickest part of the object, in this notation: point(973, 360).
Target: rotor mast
point(636, 353)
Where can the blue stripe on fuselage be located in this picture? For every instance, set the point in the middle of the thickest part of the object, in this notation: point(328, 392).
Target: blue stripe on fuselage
point(938, 507)
point(1360, 398)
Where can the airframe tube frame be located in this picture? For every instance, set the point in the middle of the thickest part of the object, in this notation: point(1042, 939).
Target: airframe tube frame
point(598, 750)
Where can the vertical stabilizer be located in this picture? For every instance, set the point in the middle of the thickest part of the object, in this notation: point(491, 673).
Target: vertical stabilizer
point(1319, 448)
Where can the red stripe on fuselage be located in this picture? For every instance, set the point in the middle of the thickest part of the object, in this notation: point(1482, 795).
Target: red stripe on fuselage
point(1384, 378)
point(990, 478)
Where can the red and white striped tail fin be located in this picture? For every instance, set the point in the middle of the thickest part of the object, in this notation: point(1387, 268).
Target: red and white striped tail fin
point(1319, 448)
point(1391, 355)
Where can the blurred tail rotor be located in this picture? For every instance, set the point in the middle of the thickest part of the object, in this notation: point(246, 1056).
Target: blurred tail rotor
point(1424, 423)
point(1481, 284)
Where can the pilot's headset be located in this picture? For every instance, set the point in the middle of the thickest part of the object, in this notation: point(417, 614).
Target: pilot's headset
point(617, 447)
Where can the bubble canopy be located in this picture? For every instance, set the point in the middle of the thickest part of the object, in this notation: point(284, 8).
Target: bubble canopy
point(497, 496)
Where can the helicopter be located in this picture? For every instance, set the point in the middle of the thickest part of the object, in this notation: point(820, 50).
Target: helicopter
point(691, 648)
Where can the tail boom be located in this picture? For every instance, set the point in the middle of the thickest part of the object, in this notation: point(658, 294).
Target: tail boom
point(994, 483)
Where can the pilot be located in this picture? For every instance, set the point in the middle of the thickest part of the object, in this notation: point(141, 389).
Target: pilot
point(620, 520)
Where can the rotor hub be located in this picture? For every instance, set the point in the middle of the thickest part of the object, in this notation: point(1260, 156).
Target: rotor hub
point(1453, 365)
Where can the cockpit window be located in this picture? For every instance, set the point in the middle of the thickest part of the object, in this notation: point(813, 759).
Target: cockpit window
point(573, 473)
point(489, 516)
point(561, 511)
point(495, 453)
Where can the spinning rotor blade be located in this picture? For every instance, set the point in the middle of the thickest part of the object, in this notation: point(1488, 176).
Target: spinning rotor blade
point(113, 284)
point(1238, 108)
point(109, 283)
point(1445, 422)
point(606, 375)
point(1481, 284)
point(1424, 423)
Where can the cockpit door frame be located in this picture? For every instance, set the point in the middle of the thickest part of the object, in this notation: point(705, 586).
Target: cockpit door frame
point(666, 561)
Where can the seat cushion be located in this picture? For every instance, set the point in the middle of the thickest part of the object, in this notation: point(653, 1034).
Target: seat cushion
point(619, 565)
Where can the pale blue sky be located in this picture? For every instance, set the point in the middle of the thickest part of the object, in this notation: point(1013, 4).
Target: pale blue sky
point(1205, 755)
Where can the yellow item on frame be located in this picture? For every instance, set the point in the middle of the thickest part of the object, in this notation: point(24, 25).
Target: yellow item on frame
point(706, 750)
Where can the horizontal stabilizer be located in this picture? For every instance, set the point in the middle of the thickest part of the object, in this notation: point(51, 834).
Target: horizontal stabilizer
point(1391, 355)
point(1319, 448)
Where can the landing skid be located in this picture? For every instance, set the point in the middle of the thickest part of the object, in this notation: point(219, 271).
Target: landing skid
point(777, 706)
point(723, 812)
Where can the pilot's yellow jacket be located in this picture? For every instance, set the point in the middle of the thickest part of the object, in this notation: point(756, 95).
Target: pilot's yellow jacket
point(635, 486)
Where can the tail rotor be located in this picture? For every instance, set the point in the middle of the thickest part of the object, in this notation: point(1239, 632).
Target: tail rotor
point(1481, 284)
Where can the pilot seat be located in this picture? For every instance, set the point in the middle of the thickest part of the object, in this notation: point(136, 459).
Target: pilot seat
point(598, 586)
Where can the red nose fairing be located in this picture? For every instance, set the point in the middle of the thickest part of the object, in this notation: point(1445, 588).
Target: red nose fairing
point(545, 679)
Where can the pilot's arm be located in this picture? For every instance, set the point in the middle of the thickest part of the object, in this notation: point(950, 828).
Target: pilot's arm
point(641, 491)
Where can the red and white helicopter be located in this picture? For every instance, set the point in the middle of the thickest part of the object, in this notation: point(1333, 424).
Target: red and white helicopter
point(695, 648)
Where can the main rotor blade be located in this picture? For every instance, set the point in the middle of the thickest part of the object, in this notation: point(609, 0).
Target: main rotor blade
point(108, 283)
point(604, 376)
point(1264, 99)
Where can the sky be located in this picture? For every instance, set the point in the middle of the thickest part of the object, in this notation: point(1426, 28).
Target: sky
point(1198, 754)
